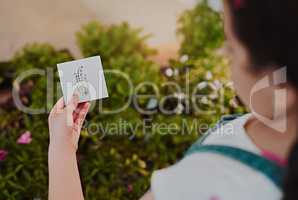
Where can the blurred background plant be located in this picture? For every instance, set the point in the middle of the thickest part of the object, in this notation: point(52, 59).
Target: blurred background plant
point(117, 166)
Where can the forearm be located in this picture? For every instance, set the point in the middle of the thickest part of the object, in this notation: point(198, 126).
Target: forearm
point(64, 178)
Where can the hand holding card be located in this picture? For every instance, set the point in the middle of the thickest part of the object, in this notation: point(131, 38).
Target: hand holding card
point(84, 77)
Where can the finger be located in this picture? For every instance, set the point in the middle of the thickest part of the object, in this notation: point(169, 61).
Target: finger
point(77, 111)
point(80, 118)
point(58, 106)
point(82, 114)
point(60, 103)
point(73, 103)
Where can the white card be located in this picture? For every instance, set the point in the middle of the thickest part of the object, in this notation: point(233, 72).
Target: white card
point(85, 77)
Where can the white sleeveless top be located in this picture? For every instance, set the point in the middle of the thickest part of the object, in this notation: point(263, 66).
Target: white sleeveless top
point(209, 176)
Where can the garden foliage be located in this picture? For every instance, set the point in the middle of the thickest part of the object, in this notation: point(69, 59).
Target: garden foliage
point(114, 165)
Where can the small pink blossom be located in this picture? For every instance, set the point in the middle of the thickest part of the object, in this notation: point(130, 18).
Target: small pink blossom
point(214, 198)
point(129, 188)
point(25, 138)
point(3, 154)
point(239, 3)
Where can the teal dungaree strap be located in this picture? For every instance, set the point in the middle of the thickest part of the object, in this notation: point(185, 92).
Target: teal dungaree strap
point(268, 168)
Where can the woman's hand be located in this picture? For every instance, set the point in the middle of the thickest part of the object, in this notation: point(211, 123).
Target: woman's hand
point(65, 123)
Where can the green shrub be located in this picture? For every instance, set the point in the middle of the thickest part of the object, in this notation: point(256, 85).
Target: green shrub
point(28, 163)
point(112, 41)
point(42, 57)
point(24, 172)
point(114, 168)
point(119, 166)
point(201, 30)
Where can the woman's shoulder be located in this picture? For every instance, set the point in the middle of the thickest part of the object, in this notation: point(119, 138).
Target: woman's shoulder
point(207, 175)
point(230, 131)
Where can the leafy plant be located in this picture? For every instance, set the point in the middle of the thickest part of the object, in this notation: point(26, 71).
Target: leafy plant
point(38, 56)
point(201, 30)
point(115, 165)
point(112, 41)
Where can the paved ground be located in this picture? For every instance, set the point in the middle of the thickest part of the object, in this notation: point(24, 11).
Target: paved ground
point(56, 21)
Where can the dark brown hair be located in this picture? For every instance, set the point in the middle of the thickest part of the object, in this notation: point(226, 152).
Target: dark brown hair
point(269, 31)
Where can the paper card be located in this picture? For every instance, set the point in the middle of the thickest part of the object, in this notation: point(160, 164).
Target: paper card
point(84, 76)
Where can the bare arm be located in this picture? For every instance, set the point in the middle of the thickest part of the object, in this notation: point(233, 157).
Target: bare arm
point(64, 127)
point(148, 196)
point(64, 179)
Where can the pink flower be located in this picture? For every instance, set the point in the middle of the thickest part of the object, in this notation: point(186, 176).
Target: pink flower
point(25, 138)
point(239, 3)
point(3, 154)
point(214, 198)
point(129, 188)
